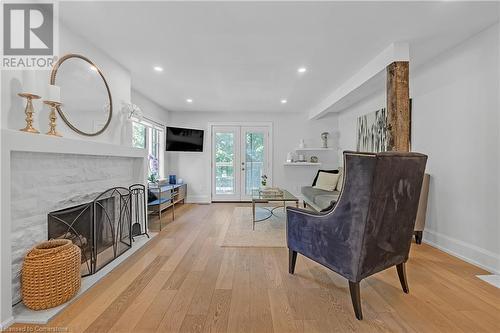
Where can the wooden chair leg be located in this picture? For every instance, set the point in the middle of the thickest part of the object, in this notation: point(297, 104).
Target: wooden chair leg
point(356, 299)
point(402, 277)
point(292, 259)
point(418, 237)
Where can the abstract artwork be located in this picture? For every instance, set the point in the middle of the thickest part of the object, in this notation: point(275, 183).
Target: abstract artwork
point(371, 132)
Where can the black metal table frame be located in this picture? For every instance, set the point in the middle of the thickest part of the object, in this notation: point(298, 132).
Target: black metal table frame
point(271, 211)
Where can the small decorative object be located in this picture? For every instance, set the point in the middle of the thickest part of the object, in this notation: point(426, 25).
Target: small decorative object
point(29, 92)
point(271, 192)
point(172, 179)
point(131, 111)
point(302, 144)
point(51, 274)
point(289, 157)
point(29, 112)
point(180, 181)
point(301, 158)
point(314, 159)
point(53, 101)
point(324, 137)
point(263, 181)
point(52, 118)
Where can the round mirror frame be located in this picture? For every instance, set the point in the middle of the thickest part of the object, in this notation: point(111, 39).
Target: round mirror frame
point(53, 75)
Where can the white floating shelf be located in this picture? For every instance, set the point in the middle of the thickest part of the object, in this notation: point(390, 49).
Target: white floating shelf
point(312, 149)
point(301, 164)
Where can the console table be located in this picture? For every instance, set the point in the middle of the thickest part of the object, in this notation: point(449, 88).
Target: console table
point(165, 196)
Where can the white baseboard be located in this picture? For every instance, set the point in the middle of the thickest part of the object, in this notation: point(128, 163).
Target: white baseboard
point(6, 323)
point(494, 280)
point(470, 253)
point(198, 199)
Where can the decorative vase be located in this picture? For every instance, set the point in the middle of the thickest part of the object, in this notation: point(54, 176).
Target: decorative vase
point(324, 138)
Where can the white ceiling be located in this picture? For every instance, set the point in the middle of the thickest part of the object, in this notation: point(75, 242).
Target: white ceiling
point(243, 56)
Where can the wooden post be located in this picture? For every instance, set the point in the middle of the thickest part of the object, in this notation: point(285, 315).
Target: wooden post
point(398, 106)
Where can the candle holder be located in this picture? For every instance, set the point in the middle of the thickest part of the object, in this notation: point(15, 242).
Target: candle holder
point(29, 112)
point(52, 117)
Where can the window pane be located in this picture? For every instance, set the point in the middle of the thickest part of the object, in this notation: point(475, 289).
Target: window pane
point(138, 135)
point(224, 163)
point(254, 164)
point(154, 151)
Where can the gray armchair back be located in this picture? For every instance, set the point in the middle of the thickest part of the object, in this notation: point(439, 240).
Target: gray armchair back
point(371, 226)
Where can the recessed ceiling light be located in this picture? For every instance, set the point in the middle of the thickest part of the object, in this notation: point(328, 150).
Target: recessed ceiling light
point(302, 70)
point(283, 101)
point(189, 100)
point(158, 68)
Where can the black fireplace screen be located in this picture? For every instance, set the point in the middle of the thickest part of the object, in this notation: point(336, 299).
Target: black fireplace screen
point(101, 228)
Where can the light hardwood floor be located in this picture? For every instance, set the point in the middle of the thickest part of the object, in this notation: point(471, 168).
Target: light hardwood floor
point(183, 281)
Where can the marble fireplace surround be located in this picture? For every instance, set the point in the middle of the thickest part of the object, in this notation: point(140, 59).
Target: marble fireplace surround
point(42, 174)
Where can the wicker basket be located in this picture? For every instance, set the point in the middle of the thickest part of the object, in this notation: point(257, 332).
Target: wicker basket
point(51, 274)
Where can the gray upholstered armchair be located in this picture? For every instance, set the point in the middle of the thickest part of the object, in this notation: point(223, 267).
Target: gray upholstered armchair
point(371, 226)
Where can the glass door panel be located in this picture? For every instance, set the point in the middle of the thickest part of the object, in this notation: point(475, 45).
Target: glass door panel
point(225, 161)
point(255, 159)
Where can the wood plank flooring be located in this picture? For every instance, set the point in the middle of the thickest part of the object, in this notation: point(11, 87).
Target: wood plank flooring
point(184, 281)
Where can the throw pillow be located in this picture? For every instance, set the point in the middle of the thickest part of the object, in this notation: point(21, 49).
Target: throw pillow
point(327, 181)
point(316, 177)
point(340, 183)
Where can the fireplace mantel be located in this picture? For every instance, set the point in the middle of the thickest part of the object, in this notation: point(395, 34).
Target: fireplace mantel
point(21, 141)
point(38, 150)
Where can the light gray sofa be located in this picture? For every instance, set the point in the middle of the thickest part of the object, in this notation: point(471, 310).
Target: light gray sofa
point(318, 199)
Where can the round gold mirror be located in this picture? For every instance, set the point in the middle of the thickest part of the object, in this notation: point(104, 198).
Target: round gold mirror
point(87, 106)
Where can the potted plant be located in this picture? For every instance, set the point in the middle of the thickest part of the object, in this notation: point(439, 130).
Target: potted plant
point(263, 182)
point(153, 169)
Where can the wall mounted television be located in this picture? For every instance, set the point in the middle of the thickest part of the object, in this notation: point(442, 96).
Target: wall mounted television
point(184, 139)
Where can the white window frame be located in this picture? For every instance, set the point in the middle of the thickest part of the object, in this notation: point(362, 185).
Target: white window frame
point(151, 124)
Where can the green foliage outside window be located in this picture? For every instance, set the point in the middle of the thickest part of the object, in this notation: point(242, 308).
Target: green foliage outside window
point(138, 135)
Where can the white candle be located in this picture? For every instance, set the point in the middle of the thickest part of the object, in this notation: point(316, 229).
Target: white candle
point(29, 82)
point(54, 93)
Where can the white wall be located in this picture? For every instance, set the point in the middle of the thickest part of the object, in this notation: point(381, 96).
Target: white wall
point(456, 123)
point(288, 129)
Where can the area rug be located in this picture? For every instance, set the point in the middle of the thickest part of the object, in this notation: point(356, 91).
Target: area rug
point(268, 233)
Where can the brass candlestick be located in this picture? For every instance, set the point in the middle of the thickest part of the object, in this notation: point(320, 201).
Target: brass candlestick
point(52, 117)
point(29, 112)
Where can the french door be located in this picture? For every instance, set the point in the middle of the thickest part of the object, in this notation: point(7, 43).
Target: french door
point(240, 157)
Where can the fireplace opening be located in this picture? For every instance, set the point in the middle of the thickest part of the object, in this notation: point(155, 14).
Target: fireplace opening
point(101, 228)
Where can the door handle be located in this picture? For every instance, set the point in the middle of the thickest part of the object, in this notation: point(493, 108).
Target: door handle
point(242, 169)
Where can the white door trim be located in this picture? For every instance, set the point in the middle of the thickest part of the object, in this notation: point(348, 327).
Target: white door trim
point(268, 124)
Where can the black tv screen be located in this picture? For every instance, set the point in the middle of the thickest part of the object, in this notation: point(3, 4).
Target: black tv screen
point(184, 139)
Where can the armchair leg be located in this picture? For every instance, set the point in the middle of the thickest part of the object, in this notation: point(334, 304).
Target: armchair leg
point(356, 299)
point(418, 237)
point(402, 277)
point(292, 259)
